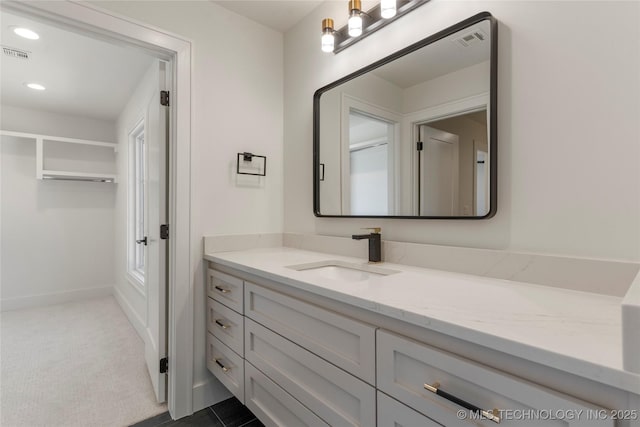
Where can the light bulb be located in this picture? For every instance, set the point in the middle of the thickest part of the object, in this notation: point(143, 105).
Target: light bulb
point(388, 8)
point(355, 24)
point(327, 42)
point(327, 35)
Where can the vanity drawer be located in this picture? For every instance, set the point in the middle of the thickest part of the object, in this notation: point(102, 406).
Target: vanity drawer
point(404, 367)
point(273, 406)
point(226, 365)
point(337, 397)
point(226, 325)
point(345, 342)
point(392, 413)
point(225, 289)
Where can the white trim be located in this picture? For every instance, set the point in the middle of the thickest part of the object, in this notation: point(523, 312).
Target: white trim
point(30, 301)
point(209, 391)
point(136, 284)
point(347, 103)
point(134, 132)
point(136, 321)
point(94, 20)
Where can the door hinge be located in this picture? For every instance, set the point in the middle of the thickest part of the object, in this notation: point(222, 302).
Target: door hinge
point(164, 365)
point(164, 231)
point(419, 146)
point(164, 98)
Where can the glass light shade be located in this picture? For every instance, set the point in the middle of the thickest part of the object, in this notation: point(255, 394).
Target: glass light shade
point(355, 25)
point(327, 42)
point(388, 8)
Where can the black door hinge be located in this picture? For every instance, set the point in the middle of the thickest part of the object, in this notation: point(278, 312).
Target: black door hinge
point(164, 231)
point(419, 146)
point(164, 98)
point(164, 365)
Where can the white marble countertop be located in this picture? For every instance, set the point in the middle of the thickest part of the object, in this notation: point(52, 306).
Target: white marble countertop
point(576, 332)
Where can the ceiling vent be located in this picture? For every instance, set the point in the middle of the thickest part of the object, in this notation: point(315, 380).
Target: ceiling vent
point(15, 53)
point(470, 38)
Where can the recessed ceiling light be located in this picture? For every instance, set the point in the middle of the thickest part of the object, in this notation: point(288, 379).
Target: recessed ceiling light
point(35, 86)
point(26, 33)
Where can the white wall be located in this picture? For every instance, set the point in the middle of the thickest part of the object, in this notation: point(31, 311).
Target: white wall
point(57, 236)
point(568, 108)
point(237, 106)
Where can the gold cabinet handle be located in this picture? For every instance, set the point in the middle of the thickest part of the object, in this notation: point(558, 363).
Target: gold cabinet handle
point(224, 368)
point(222, 325)
point(223, 290)
point(493, 415)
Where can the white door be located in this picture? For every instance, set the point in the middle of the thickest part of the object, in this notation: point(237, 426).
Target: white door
point(438, 172)
point(155, 337)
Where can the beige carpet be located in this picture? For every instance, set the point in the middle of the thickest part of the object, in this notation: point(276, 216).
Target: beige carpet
point(73, 364)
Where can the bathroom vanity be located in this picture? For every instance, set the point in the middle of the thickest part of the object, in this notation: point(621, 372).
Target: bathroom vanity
point(306, 338)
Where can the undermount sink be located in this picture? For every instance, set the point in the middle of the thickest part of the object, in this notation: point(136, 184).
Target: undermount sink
point(341, 270)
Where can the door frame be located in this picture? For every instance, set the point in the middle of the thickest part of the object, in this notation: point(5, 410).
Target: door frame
point(102, 23)
point(412, 121)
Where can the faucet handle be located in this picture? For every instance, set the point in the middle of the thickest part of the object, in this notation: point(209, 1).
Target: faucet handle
point(375, 230)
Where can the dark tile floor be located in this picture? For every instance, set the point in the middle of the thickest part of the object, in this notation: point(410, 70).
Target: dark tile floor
point(228, 413)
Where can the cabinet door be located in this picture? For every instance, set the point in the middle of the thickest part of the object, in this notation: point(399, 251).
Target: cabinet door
point(226, 365)
point(392, 413)
point(407, 369)
point(226, 325)
point(337, 397)
point(225, 289)
point(273, 406)
point(347, 343)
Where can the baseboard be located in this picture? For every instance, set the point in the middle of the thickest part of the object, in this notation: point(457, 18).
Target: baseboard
point(209, 393)
point(134, 318)
point(7, 304)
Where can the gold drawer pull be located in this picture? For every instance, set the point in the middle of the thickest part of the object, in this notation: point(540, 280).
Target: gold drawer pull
point(222, 325)
point(493, 415)
point(223, 290)
point(224, 368)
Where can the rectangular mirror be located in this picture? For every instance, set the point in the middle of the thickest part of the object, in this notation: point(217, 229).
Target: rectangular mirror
point(414, 134)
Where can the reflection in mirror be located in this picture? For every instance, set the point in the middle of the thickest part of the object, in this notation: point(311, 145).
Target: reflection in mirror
point(412, 136)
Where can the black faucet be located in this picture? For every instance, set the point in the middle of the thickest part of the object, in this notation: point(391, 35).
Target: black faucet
point(375, 244)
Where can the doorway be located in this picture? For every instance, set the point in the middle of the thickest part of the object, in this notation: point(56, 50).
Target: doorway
point(80, 18)
point(452, 160)
point(371, 142)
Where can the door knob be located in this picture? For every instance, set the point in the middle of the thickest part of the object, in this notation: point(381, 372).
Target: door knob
point(142, 241)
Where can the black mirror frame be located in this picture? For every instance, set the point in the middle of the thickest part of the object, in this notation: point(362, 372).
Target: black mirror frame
point(493, 117)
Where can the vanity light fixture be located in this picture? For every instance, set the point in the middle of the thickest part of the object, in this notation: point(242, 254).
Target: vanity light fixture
point(26, 33)
point(360, 24)
point(328, 39)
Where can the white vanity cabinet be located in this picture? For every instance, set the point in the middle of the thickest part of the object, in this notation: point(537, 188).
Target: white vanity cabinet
point(392, 413)
point(411, 372)
point(323, 359)
point(274, 406)
point(345, 342)
point(297, 359)
point(337, 397)
point(225, 330)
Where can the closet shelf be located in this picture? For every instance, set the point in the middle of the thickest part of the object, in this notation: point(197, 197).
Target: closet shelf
point(78, 176)
point(42, 173)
